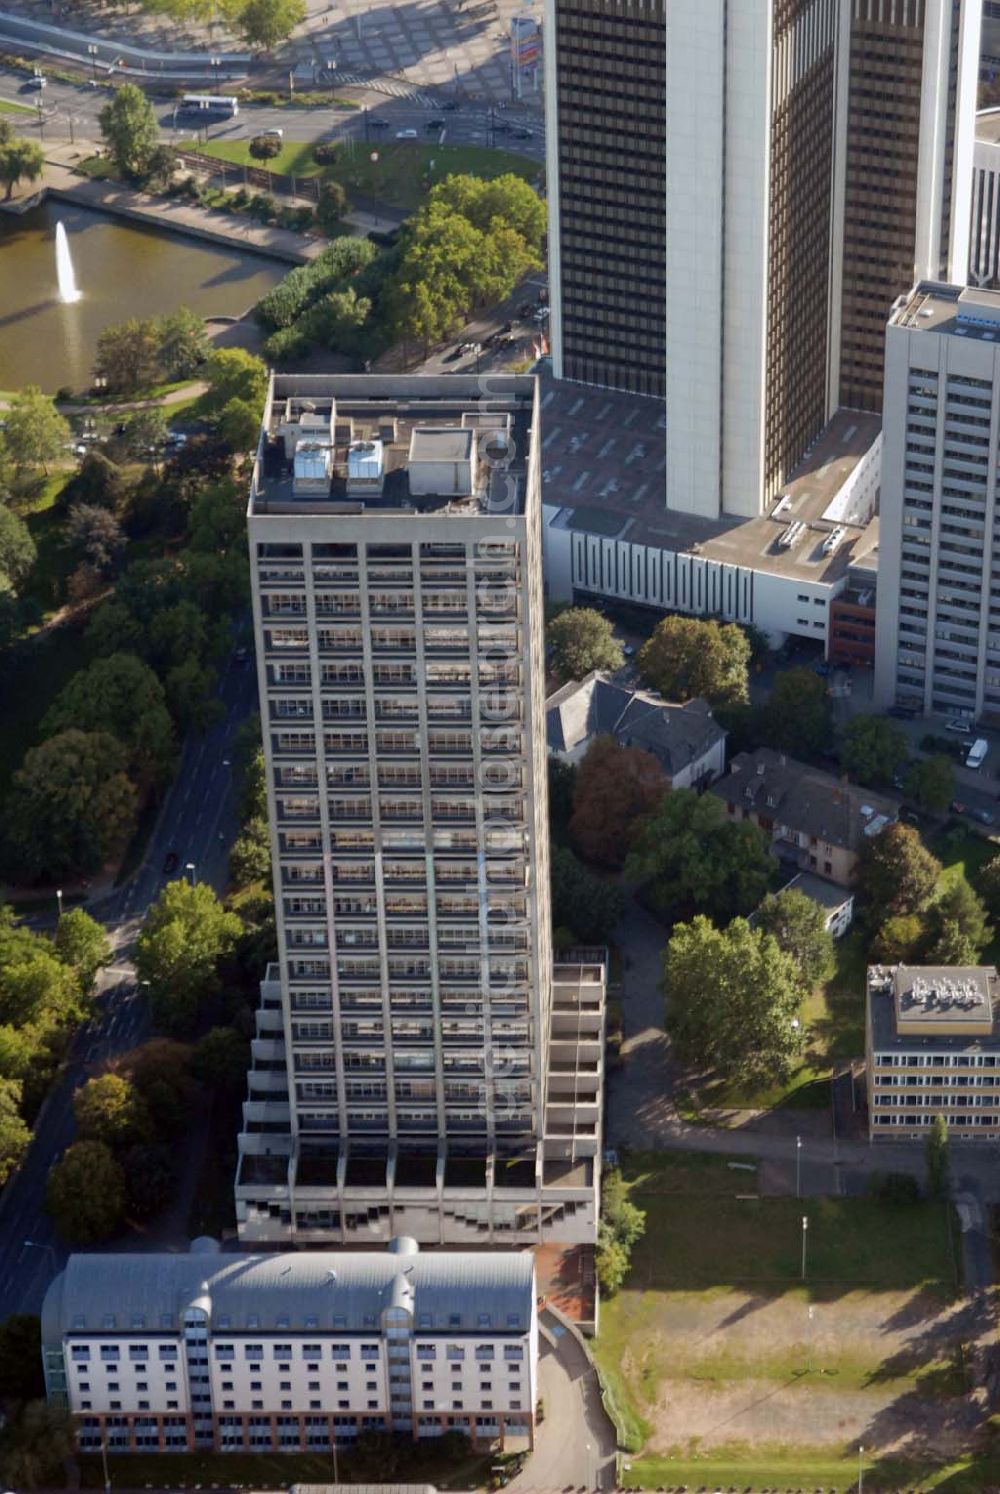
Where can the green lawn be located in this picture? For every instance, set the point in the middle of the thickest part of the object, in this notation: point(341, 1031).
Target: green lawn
point(963, 853)
point(758, 1469)
point(400, 174)
point(7, 106)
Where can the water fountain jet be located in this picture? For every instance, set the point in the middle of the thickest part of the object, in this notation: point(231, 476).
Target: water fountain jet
point(68, 290)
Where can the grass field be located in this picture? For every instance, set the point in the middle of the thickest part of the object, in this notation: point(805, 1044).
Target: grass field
point(7, 106)
point(716, 1336)
point(400, 174)
point(761, 1469)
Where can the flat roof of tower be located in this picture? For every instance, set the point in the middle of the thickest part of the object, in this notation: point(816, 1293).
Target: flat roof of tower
point(954, 310)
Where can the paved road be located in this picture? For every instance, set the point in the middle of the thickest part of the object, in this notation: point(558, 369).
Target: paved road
point(198, 822)
point(66, 112)
point(575, 1444)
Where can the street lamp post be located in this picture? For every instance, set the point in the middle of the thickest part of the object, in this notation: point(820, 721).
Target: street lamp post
point(104, 1462)
point(190, 869)
point(37, 1245)
point(861, 1468)
point(41, 122)
point(216, 64)
point(59, 900)
point(805, 1236)
point(92, 54)
point(798, 1167)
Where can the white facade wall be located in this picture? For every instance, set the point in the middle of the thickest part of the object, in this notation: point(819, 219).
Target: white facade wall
point(984, 245)
point(110, 1373)
point(695, 145)
point(937, 643)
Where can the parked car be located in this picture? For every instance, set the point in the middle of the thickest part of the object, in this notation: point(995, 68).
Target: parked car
point(378, 124)
point(170, 863)
point(521, 134)
point(274, 132)
point(37, 82)
point(958, 726)
point(984, 816)
point(406, 134)
point(450, 105)
point(434, 124)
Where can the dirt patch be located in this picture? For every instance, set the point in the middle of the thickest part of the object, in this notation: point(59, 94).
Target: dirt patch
point(889, 1369)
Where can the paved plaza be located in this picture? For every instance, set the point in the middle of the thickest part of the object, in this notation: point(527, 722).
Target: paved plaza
point(421, 44)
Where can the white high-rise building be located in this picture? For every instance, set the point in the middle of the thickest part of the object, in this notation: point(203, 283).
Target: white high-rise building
point(739, 189)
point(937, 644)
point(419, 1069)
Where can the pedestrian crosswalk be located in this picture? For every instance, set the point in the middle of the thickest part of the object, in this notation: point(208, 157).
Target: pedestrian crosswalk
point(390, 88)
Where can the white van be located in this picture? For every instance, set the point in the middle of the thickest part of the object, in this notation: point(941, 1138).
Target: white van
point(977, 753)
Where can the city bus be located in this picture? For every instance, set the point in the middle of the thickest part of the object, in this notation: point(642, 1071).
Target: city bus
point(209, 103)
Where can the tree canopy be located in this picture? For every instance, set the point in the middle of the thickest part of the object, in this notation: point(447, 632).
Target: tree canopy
point(732, 998)
point(70, 805)
point(131, 134)
point(615, 786)
point(874, 749)
point(120, 696)
point(81, 943)
point(34, 432)
point(797, 715)
point(692, 656)
point(21, 160)
point(896, 873)
point(185, 933)
point(691, 855)
point(799, 926)
point(586, 906)
point(85, 1194)
point(109, 1108)
point(930, 783)
point(580, 640)
point(957, 927)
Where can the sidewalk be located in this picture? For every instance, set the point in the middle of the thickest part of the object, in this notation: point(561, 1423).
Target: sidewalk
point(60, 180)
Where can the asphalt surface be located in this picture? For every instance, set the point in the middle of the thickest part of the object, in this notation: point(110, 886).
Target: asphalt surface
point(65, 111)
point(198, 822)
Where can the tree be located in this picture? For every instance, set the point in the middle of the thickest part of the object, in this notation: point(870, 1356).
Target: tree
point(17, 550)
point(331, 206)
point(930, 783)
point(96, 536)
point(221, 1060)
point(37, 991)
point(35, 433)
point(85, 1194)
point(732, 997)
point(587, 905)
point(81, 943)
point(988, 882)
point(896, 873)
point(692, 656)
point(692, 856)
point(612, 1263)
point(799, 926)
point(797, 716)
point(185, 933)
point(936, 1154)
point(250, 857)
point(580, 640)
point(874, 749)
point(69, 807)
point(21, 159)
point(562, 786)
point(626, 1220)
point(265, 23)
point(34, 1446)
point(111, 1110)
point(899, 940)
point(128, 355)
point(150, 1179)
point(21, 1377)
point(15, 1138)
point(145, 432)
point(190, 689)
point(130, 131)
point(506, 199)
point(99, 482)
point(233, 373)
point(160, 1070)
point(120, 695)
point(239, 425)
point(615, 787)
point(183, 343)
point(957, 928)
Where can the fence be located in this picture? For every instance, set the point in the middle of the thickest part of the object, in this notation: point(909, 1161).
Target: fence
point(305, 187)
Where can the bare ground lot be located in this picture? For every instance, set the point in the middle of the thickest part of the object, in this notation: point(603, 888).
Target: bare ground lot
point(716, 1340)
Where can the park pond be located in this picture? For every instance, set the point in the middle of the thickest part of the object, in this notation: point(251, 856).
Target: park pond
point(122, 270)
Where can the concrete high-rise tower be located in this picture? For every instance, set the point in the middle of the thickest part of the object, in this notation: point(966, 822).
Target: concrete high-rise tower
point(419, 1068)
point(738, 191)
